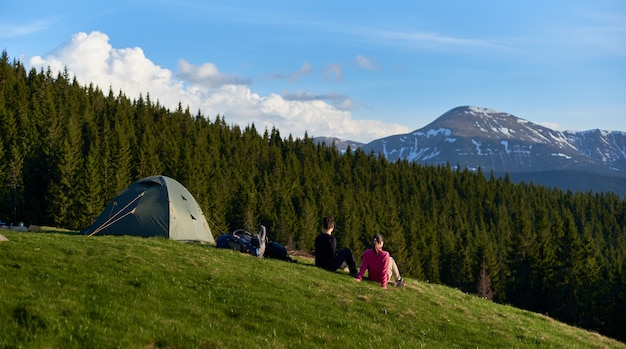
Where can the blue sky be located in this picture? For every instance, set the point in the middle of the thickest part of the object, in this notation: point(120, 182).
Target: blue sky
point(356, 70)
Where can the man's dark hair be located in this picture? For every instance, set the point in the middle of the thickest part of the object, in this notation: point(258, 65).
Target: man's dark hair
point(328, 222)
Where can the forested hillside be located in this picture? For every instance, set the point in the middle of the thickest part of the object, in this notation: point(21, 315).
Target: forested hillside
point(67, 149)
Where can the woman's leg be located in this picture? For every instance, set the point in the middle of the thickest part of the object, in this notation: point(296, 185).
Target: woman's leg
point(393, 271)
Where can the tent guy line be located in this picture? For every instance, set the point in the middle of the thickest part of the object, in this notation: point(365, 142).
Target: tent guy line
point(108, 222)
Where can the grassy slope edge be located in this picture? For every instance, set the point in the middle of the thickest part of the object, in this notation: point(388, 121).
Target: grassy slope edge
point(59, 290)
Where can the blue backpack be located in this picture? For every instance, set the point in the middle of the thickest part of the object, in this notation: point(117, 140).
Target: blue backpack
point(243, 241)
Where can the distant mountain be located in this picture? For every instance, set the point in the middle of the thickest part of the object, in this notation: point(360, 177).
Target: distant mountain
point(341, 144)
point(473, 137)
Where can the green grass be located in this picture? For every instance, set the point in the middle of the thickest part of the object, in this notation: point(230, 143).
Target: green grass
point(59, 290)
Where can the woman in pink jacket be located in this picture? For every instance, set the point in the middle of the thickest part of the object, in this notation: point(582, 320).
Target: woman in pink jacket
point(380, 266)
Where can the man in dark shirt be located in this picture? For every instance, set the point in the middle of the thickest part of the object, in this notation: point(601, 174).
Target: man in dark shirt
point(326, 255)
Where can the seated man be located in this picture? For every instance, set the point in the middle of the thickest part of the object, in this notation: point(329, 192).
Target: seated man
point(326, 255)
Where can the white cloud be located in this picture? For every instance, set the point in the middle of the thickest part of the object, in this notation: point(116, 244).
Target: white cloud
point(92, 59)
point(207, 75)
point(306, 69)
point(340, 101)
point(550, 125)
point(368, 63)
point(14, 30)
point(333, 72)
point(430, 39)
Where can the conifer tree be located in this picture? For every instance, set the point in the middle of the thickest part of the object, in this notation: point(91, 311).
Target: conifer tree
point(4, 187)
point(16, 185)
point(63, 190)
point(91, 181)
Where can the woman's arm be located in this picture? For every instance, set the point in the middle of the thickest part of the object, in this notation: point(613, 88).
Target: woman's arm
point(363, 266)
point(385, 271)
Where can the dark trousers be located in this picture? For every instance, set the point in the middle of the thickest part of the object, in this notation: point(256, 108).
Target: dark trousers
point(343, 258)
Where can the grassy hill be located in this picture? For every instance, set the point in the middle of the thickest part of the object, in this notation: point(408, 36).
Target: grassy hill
point(60, 290)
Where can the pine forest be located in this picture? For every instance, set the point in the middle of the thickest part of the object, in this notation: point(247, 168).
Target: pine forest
point(67, 149)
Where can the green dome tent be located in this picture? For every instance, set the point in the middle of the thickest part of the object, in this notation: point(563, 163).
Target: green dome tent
point(154, 206)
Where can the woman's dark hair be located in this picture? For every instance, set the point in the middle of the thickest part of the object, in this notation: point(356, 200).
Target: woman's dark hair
point(378, 238)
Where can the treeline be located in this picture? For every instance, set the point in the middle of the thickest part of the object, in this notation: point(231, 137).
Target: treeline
point(67, 149)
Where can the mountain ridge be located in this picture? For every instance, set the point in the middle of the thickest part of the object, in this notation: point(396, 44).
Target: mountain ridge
point(477, 137)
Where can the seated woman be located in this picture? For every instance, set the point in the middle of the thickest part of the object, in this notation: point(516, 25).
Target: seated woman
point(380, 266)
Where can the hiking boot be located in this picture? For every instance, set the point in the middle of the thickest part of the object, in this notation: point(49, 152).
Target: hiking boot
point(400, 283)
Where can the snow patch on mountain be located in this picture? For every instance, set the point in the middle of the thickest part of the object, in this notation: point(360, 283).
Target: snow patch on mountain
point(562, 155)
point(506, 146)
point(480, 110)
point(434, 133)
point(477, 144)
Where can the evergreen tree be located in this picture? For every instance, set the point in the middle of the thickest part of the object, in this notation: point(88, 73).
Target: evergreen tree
point(15, 176)
point(94, 199)
point(4, 187)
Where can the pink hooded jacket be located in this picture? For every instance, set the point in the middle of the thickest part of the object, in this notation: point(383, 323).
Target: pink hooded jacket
point(377, 266)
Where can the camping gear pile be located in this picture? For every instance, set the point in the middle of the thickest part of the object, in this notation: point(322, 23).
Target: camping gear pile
point(243, 241)
point(255, 244)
